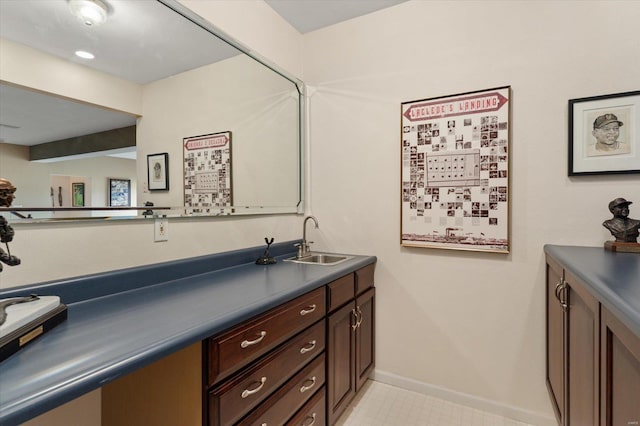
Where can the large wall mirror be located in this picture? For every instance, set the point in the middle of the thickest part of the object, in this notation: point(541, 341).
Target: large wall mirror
point(80, 136)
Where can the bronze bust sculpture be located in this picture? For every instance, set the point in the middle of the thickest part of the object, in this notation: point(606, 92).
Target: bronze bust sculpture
point(624, 229)
point(6, 232)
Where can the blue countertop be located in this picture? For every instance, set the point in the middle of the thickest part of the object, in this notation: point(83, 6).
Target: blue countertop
point(121, 321)
point(612, 277)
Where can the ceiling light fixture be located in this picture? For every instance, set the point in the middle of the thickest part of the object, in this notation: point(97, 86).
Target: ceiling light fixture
point(84, 55)
point(90, 12)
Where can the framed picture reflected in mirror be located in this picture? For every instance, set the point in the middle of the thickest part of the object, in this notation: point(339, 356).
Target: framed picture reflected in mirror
point(119, 192)
point(158, 171)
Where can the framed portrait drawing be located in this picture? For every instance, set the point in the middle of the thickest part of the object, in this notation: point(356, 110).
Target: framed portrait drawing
point(77, 194)
point(455, 171)
point(604, 134)
point(119, 192)
point(158, 172)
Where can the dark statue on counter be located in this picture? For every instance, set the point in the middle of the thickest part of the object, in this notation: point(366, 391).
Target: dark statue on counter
point(622, 227)
point(266, 258)
point(6, 232)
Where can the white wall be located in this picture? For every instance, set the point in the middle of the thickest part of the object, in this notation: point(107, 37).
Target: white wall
point(465, 322)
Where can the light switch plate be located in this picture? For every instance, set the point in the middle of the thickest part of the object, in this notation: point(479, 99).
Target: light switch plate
point(161, 229)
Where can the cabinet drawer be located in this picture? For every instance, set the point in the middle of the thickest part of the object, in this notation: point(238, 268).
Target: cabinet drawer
point(364, 278)
point(234, 398)
point(340, 291)
point(237, 347)
point(282, 405)
point(313, 412)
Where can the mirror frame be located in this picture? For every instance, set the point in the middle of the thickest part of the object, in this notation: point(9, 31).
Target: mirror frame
point(224, 211)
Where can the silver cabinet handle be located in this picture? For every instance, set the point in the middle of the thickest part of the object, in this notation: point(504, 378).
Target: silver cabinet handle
point(308, 311)
point(355, 316)
point(246, 343)
point(305, 348)
point(558, 288)
point(247, 392)
point(563, 300)
point(304, 388)
point(359, 316)
point(313, 420)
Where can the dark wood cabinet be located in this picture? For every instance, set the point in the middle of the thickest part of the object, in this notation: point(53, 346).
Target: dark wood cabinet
point(350, 339)
point(582, 355)
point(340, 360)
point(620, 373)
point(593, 359)
point(365, 355)
point(572, 348)
point(235, 348)
point(254, 368)
point(555, 339)
point(300, 363)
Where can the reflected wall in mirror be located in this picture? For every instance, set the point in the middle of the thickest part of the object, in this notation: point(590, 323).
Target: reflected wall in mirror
point(153, 69)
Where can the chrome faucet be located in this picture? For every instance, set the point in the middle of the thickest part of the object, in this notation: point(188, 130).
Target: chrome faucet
point(303, 248)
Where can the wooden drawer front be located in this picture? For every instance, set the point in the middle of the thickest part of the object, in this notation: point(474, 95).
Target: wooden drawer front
point(232, 350)
point(340, 291)
point(283, 404)
point(234, 398)
point(364, 278)
point(313, 412)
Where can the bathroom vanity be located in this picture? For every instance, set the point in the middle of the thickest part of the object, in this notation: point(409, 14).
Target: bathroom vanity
point(593, 335)
point(212, 340)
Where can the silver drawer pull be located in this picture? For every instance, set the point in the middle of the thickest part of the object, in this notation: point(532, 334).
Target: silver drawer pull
point(355, 316)
point(303, 388)
point(247, 392)
point(313, 420)
point(246, 343)
point(359, 316)
point(305, 348)
point(308, 311)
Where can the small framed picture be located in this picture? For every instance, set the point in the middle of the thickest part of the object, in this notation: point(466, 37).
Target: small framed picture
point(119, 192)
point(158, 171)
point(603, 134)
point(77, 194)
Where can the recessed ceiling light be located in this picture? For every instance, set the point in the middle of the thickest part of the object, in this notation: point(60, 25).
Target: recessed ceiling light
point(90, 12)
point(84, 55)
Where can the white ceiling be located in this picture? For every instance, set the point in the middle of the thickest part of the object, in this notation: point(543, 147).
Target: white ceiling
point(142, 41)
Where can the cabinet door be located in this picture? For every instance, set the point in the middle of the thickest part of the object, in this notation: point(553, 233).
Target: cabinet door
point(555, 340)
point(582, 354)
point(365, 359)
point(341, 386)
point(620, 389)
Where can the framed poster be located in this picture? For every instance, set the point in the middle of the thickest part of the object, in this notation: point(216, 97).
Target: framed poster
point(119, 192)
point(158, 172)
point(77, 194)
point(207, 172)
point(455, 171)
point(603, 134)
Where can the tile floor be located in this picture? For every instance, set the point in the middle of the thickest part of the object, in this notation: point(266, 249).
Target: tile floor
point(379, 404)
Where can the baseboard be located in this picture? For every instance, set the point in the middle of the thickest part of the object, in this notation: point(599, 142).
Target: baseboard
point(489, 406)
